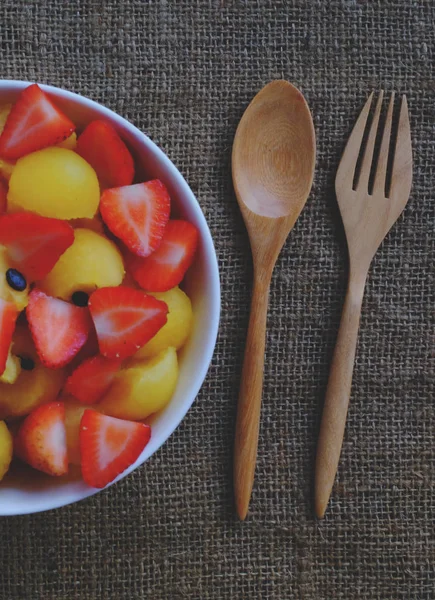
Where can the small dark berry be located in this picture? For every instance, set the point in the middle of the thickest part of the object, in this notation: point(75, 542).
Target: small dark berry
point(80, 298)
point(16, 280)
point(27, 363)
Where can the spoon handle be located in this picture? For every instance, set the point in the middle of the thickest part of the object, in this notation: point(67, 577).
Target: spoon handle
point(249, 405)
point(337, 398)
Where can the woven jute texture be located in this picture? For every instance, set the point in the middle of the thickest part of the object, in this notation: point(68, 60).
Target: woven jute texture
point(184, 71)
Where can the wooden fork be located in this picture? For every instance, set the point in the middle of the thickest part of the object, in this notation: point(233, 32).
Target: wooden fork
point(367, 218)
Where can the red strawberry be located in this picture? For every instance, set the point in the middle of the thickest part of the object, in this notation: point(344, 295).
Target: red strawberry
point(33, 123)
point(8, 316)
point(3, 196)
point(137, 214)
point(125, 319)
point(108, 446)
point(92, 379)
point(166, 267)
point(59, 329)
point(41, 439)
point(34, 243)
point(103, 149)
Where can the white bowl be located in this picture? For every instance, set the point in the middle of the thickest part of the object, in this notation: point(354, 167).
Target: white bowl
point(37, 492)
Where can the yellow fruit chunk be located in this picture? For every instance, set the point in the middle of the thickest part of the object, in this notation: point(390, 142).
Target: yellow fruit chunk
point(12, 370)
point(6, 292)
point(33, 387)
point(73, 416)
point(54, 182)
point(5, 109)
point(177, 328)
point(23, 343)
point(70, 143)
point(143, 388)
point(6, 169)
point(91, 262)
point(6, 449)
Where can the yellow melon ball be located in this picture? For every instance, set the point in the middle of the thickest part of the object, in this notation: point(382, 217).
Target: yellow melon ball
point(91, 262)
point(6, 449)
point(34, 386)
point(177, 328)
point(70, 143)
point(20, 299)
point(12, 369)
point(54, 182)
point(73, 416)
point(6, 167)
point(143, 388)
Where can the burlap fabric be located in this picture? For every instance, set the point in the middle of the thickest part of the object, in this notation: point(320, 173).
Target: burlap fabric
point(184, 71)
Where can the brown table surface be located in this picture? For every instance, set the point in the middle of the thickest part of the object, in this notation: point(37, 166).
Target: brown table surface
point(184, 71)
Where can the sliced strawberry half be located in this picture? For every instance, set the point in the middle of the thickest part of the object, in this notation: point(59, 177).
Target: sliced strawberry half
point(137, 214)
point(34, 243)
point(8, 316)
point(59, 329)
point(108, 446)
point(33, 123)
point(125, 319)
point(41, 439)
point(166, 267)
point(3, 195)
point(92, 379)
point(103, 149)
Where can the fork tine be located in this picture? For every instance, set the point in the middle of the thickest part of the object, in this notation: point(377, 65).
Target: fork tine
point(347, 166)
point(401, 175)
point(366, 165)
point(381, 170)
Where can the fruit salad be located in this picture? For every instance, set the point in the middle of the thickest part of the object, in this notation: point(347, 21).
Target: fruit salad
point(92, 315)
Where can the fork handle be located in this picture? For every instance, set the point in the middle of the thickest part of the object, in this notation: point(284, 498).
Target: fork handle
point(249, 404)
point(337, 397)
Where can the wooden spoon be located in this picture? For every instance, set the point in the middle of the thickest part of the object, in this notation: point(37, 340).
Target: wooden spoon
point(273, 166)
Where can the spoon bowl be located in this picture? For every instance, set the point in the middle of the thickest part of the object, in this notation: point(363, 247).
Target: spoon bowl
point(273, 163)
point(273, 152)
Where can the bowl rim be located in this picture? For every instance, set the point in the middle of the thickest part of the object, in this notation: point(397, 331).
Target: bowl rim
point(12, 85)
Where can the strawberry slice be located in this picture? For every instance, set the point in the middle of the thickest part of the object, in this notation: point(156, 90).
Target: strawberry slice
point(8, 316)
point(34, 243)
point(166, 267)
point(137, 214)
point(33, 123)
point(108, 446)
point(103, 149)
point(92, 379)
point(3, 196)
point(41, 439)
point(59, 329)
point(125, 319)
